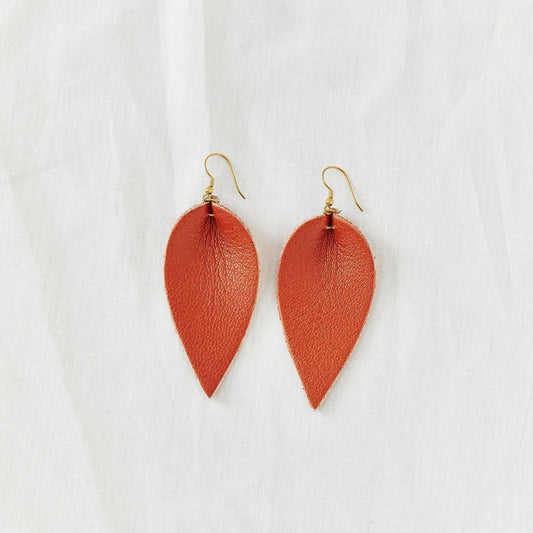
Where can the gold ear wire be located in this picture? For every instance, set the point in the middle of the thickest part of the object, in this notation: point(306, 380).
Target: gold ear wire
point(208, 196)
point(328, 209)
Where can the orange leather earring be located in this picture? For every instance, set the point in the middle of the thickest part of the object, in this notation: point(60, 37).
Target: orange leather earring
point(211, 278)
point(326, 282)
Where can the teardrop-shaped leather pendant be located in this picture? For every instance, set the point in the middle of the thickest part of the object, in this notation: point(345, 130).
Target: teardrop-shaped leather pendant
point(326, 283)
point(211, 278)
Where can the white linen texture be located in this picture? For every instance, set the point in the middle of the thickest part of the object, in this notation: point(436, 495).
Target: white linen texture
point(107, 110)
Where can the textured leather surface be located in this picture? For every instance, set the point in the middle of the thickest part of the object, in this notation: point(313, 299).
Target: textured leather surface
point(326, 281)
point(211, 277)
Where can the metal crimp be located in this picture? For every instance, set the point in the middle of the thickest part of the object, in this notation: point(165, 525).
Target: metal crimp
point(209, 197)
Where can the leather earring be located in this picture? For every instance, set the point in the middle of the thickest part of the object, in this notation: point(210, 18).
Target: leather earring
point(326, 282)
point(211, 279)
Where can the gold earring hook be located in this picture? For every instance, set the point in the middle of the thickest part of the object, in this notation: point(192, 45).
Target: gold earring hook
point(208, 196)
point(328, 209)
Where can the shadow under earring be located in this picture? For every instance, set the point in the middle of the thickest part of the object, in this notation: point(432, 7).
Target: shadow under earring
point(211, 279)
point(326, 281)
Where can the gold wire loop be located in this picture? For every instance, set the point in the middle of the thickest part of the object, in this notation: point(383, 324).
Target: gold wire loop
point(208, 195)
point(328, 209)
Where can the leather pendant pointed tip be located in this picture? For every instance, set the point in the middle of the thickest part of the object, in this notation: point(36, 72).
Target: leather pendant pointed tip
point(210, 380)
point(209, 391)
point(315, 404)
point(209, 385)
point(314, 398)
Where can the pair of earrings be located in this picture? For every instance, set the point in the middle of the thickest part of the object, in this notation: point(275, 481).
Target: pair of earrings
point(325, 285)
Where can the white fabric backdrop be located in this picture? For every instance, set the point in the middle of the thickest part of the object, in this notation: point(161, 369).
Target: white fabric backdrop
point(107, 110)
